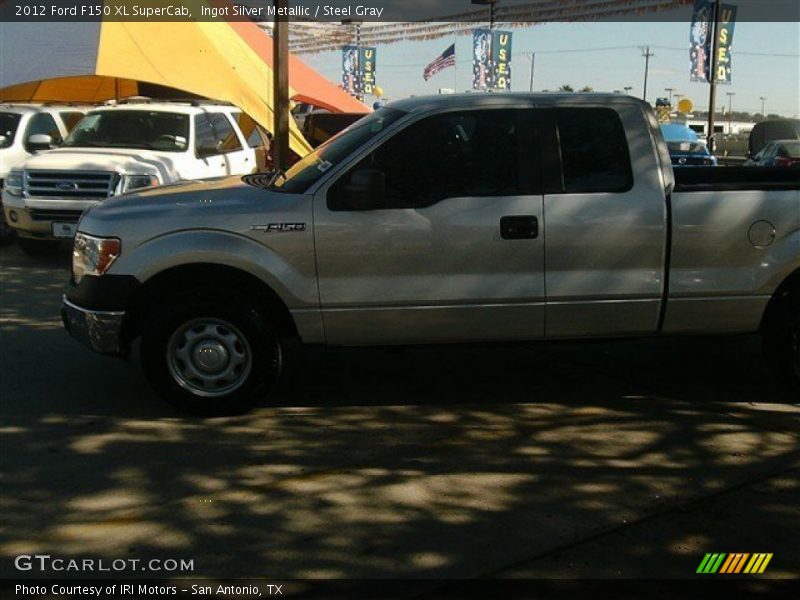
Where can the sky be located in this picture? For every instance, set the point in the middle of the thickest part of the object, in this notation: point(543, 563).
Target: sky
point(607, 57)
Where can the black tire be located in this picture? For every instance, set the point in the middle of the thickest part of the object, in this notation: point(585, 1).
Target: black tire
point(33, 247)
point(213, 315)
point(7, 233)
point(781, 341)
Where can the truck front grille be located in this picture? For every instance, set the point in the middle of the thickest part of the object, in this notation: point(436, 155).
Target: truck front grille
point(69, 184)
point(41, 214)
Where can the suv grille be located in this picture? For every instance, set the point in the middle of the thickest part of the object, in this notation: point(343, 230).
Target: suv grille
point(40, 214)
point(69, 184)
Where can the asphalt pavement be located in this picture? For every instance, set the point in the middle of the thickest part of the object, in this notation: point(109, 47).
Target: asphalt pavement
point(607, 460)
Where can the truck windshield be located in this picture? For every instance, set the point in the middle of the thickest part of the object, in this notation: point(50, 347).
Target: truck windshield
point(8, 128)
point(145, 129)
point(314, 165)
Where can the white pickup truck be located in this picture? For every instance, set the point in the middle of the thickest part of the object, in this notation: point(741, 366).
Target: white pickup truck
point(473, 218)
point(118, 148)
point(26, 129)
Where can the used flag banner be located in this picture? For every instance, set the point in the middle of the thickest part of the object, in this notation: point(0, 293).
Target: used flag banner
point(491, 59)
point(350, 69)
point(700, 35)
point(441, 62)
point(366, 69)
point(727, 20)
point(358, 69)
point(501, 60)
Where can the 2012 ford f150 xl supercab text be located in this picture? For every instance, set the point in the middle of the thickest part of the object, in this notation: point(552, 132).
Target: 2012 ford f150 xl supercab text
point(471, 218)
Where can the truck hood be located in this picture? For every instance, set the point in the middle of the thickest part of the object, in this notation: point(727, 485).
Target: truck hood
point(119, 160)
point(224, 203)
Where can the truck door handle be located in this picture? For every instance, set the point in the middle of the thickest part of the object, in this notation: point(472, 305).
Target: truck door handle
point(519, 227)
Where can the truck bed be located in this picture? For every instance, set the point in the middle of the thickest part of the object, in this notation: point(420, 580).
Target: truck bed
point(708, 179)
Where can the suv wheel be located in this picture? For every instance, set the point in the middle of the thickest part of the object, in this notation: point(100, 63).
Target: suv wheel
point(33, 247)
point(211, 354)
point(781, 341)
point(7, 233)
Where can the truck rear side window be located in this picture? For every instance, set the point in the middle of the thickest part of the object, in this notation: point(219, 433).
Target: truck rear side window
point(594, 151)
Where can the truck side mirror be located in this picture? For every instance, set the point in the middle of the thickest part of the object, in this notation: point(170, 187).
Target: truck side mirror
point(39, 141)
point(366, 190)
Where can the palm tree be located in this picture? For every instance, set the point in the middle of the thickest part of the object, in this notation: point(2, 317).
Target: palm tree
point(566, 88)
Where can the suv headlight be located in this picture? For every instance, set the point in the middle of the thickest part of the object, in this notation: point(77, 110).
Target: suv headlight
point(93, 255)
point(13, 182)
point(128, 183)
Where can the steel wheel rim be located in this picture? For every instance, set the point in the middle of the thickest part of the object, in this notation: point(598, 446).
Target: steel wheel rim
point(209, 357)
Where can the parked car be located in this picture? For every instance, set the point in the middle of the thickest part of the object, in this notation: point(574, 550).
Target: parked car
point(458, 218)
point(122, 147)
point(685, 148)
point(780, 153)
point(26, 129)
point(775, 129)
point(320, 126)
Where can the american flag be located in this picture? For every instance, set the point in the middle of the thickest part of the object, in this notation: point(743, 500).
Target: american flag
point(444, 60)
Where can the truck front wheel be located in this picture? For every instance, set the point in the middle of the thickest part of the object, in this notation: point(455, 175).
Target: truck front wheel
point(781, 341)
point(211, 354)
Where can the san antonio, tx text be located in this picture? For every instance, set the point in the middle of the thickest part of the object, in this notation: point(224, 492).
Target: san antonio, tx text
point(129, 589)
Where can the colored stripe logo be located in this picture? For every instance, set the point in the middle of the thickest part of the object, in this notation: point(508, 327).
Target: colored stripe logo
point(735, 562)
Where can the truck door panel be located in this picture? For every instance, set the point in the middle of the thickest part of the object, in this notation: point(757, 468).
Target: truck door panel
point(605, 222)
point(435, 264)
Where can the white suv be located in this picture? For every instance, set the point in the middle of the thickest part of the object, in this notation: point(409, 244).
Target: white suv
point(26, 129)
point(122, 147)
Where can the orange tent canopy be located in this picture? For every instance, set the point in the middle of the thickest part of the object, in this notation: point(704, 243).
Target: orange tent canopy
point(309, 86)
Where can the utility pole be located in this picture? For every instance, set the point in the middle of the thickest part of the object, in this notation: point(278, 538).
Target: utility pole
point(712, 95)
point(763, 100)
point(730, 109)
point(280, 85)
point(532, 57)
point(647, 54)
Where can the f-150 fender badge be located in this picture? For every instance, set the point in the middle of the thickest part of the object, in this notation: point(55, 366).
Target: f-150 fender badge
point(278, 227)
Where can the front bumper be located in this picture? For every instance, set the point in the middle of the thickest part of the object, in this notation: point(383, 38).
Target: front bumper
point(100, 330)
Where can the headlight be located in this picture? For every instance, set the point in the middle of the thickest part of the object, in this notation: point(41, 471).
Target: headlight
point(13, 183)
point(93, 255)
point(128, 183)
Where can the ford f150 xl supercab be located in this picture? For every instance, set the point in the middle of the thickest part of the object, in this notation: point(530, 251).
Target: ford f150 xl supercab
point(474, 218)
point(119, 148)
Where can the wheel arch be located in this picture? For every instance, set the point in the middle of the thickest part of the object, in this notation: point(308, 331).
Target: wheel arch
point(779, 299)
point(181, 278)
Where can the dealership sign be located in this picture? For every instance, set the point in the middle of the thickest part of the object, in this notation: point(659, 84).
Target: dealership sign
point(358, 69)
point(727, 20)
point(701, 36)
point(491, 60)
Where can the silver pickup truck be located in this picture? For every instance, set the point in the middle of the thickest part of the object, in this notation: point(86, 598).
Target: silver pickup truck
point(474, 218)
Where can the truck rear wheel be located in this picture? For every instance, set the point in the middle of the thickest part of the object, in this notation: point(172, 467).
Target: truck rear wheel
point(781, 341)
point(33, 247)
point(211, 354)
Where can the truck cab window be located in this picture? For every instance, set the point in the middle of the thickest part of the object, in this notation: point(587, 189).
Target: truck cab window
point(594, 151)
point(470, 153)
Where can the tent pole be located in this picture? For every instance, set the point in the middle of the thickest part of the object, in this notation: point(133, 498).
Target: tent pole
point(280, 84)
